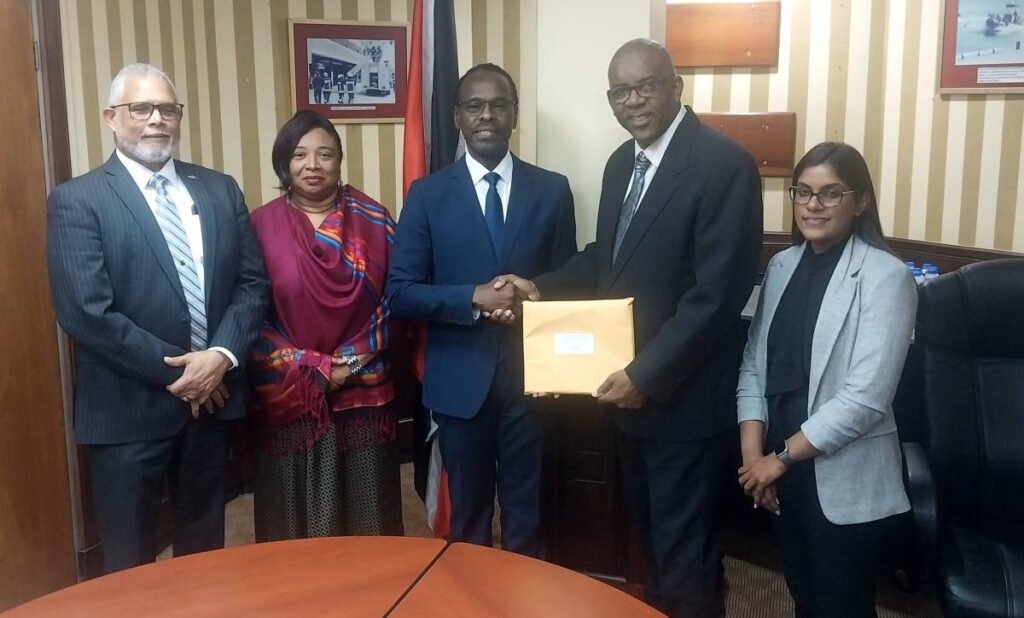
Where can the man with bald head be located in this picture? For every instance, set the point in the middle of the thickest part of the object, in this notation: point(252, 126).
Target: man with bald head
point(679, 230)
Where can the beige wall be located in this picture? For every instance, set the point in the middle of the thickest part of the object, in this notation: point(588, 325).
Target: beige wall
point(946, 169)
point(229, 60)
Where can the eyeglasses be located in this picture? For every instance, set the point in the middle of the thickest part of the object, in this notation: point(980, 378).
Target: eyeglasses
point(646, 88)
point(475, 107)
point(144, 111)
point(829, 198)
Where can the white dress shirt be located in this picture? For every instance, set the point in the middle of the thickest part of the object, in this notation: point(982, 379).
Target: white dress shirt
point(654, 153)
point(186, 210)
point(477, 171)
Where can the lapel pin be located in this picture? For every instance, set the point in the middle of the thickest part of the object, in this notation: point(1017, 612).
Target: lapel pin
point(191, 176)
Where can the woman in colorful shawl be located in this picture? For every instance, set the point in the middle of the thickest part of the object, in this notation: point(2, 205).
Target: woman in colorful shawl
point(325, 426)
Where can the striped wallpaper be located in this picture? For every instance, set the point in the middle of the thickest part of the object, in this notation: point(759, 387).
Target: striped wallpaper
point(229, 60)
point(947, 169)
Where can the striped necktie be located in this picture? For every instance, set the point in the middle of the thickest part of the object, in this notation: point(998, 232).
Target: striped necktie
point(177, 241)
point(632, 201)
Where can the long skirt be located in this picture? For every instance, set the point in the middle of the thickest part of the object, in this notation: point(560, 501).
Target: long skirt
point(328, 489)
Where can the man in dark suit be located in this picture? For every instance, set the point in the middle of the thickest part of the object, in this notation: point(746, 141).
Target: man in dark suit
point(157, 277)
point(679, 229)
point(486, 214)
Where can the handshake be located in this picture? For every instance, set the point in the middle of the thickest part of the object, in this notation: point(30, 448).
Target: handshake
point(501, 299)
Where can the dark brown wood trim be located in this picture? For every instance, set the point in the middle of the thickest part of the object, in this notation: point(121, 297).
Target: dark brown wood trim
point(54, 101)
point(946, 257)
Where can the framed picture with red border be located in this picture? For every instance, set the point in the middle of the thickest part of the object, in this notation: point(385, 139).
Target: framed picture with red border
point(982, 47)
point(350, 71)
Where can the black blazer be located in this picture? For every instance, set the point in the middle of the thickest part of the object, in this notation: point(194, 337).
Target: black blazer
point(443, 251)
point(117, 294)
point(689, 259)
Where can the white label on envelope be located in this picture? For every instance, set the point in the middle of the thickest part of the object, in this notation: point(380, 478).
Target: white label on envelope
point(574, 343)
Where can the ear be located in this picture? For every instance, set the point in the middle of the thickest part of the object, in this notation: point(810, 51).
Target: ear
point(677, 86)
point(108, 117)
point(862, 204)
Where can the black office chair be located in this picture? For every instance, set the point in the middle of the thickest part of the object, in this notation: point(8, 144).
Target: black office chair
point(970, 517)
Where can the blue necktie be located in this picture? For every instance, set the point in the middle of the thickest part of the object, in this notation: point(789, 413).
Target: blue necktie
point(492, 211)
point(177, 241)
point(632, 201)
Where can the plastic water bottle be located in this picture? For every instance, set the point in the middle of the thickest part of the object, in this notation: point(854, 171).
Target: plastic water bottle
point(930, 271)
point(911, 264)
point(918, 275)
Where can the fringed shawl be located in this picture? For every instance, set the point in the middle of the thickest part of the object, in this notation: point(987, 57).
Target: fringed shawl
point(327, 300)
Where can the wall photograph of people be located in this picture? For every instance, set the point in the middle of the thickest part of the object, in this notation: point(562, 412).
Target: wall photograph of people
point(350, 71)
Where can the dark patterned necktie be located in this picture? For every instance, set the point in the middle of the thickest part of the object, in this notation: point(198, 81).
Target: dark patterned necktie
point(632, 201)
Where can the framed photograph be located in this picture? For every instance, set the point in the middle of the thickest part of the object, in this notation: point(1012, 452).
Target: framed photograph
point(350, 71)
point(982, 47)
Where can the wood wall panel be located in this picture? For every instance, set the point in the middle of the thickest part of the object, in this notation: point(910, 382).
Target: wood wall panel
point(769, 138)
point(36, 544)
point(723, 34)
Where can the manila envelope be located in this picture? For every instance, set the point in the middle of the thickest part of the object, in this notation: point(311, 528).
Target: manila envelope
point(571, 347)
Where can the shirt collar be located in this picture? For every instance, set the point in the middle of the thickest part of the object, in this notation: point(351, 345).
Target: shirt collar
point(656, 151)
point(142, 174)
point(477, 171)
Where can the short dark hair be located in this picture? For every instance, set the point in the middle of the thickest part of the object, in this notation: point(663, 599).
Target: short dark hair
point(288, 139)
point(849, 165)
point(488, 67)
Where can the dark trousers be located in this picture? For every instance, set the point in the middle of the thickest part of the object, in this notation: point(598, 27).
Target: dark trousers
point(672, 492)
point(499, 447)
point(128, 482)
point(830, 569)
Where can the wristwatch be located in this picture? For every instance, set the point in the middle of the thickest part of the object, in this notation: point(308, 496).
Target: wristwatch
point(354, 365)
point(784, 457)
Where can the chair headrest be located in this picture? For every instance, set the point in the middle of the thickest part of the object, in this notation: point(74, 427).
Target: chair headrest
point(977, 310)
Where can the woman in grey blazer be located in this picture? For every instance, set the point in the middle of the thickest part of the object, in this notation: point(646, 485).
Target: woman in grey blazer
point(821, 366)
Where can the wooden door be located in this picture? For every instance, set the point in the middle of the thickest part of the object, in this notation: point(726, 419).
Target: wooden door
point(36, 540)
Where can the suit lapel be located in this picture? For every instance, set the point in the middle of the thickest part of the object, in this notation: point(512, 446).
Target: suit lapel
point(469, 206)
point(207, 221)
point(612, 196)
point(834, 309)
point(125, 188)
point(519, 202)
point(779, 274)
point(666, 181)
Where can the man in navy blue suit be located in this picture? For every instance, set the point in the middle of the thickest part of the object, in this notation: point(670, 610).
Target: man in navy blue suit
point(157, 277)
point(486, 214)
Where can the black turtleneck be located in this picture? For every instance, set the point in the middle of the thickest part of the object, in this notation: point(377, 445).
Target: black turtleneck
point(789, 343)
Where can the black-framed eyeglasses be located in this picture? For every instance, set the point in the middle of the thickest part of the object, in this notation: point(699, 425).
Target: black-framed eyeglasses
point(646, 88)
point(829, 198)
point(475, 107)
point(144, 111)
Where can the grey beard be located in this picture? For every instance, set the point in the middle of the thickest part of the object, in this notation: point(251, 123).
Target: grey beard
point(140, 152)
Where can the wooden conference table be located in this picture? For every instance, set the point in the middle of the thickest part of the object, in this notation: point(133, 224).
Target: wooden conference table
point(399, 577)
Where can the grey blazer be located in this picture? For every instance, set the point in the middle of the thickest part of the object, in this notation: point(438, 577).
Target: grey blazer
point(860, 342)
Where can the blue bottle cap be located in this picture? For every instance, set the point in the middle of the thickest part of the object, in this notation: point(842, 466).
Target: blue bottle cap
point(916, 271)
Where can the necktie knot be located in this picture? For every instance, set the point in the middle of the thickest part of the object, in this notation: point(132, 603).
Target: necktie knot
point(642, 162)
point(158, 182)
point(492, 178)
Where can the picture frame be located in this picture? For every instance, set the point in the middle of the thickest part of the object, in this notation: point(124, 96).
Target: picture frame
point(981, 47)
point(350, 71)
